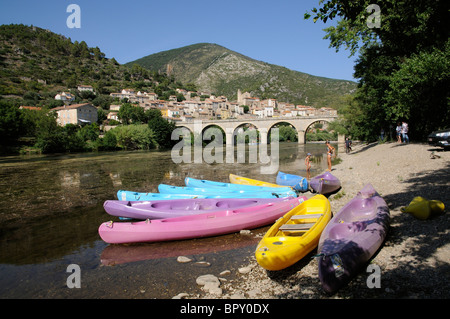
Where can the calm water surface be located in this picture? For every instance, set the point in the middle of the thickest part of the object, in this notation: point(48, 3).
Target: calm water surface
point(51, 207)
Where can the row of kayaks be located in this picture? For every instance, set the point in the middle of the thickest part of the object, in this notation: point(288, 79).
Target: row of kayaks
point(239, 186)
point(344, 242)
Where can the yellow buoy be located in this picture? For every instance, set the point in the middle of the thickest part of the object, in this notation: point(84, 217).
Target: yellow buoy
point(423, 208)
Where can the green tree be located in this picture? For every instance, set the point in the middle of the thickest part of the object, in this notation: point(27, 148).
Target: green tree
point(72, 139)
point(101, 115)
point(287, 133)
point(126, 113)
point(11, 123)
point(108, 142)
point(50, 137)
point(138, 115)
point(152, 113)
point(402, 66)
point(162, 131)
point(134, 137)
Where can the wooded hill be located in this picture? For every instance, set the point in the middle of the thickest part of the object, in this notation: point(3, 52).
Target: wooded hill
point(36, 64)
point(216, 69)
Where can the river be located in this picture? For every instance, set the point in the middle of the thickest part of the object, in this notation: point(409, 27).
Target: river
point(52, 206)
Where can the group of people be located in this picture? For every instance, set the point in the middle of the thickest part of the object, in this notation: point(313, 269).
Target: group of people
point(402, 137)
point(331, 151)
point(402, 132)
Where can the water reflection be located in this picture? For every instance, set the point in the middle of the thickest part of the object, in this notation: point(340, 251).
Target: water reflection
point(119, 254)
point(52, 206)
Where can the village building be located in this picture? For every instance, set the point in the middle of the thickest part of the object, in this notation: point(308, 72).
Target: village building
point(113, 116)
point(326, 111)
point(32, 108)
point(65, 96)
point(125, 93)
point(78, 114)
point(84, 88)
point(114, 107)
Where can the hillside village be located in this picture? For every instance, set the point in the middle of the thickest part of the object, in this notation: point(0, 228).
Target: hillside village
point(196, 105)
point(201, 105)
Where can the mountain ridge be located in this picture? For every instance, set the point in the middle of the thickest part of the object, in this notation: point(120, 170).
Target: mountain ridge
point(214, 68)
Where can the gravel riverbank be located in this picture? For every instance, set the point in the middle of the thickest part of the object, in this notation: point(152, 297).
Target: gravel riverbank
point(415, 258)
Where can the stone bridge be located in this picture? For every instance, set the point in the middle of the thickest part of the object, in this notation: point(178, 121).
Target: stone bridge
point(263, 125)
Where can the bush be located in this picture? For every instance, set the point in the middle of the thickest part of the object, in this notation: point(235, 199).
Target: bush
point(134, 137)
point(287, 133)
point(108, 142)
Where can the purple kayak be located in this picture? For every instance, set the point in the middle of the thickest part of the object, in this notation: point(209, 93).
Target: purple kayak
point(158, 209)
point(325, 183)
point(216, 223)
point(351, 238)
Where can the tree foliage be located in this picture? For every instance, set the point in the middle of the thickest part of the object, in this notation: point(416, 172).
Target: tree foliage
point(11, 122)
point(135, 136)
point(162, 129)
point(403, 65)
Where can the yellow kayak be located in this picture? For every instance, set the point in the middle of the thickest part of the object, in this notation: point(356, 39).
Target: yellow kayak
point(294, 235)
point(235, 179)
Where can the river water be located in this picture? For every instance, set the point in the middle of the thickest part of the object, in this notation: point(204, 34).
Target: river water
point(52, 206)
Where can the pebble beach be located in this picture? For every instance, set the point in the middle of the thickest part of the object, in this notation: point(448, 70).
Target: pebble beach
point(415, 257)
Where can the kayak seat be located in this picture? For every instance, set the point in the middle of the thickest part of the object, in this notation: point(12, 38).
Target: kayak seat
point(296, 227)
point(359, 210)
point(341, 231)
point(306, 216)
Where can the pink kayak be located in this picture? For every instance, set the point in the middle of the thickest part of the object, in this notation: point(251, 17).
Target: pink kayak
point(195, 226)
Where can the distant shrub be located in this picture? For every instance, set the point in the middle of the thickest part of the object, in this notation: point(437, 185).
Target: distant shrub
point(132, 137)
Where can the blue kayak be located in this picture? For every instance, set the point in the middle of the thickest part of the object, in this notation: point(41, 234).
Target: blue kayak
point(296, 182)
point(169, 189)
point(203, 183)
point(136, 196)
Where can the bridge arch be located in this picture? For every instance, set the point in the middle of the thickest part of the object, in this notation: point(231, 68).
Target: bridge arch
point(300, 123)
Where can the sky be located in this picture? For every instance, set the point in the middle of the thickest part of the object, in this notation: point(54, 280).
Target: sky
point(266, 30)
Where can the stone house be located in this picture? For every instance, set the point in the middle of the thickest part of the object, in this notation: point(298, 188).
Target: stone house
point(78, 114)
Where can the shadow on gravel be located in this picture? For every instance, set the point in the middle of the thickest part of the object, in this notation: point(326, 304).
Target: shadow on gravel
point(423, 265)
point(433, 184)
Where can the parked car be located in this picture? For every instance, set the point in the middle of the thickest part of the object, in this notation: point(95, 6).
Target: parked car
point(440, 138)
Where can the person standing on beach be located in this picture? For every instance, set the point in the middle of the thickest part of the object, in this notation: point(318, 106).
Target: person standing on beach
point(398, 129)
point(348, 145)
point(308, 165)
point(405, 132)
point(330, 151)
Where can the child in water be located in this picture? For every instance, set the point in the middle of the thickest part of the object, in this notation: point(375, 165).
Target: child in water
point(308, 165)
